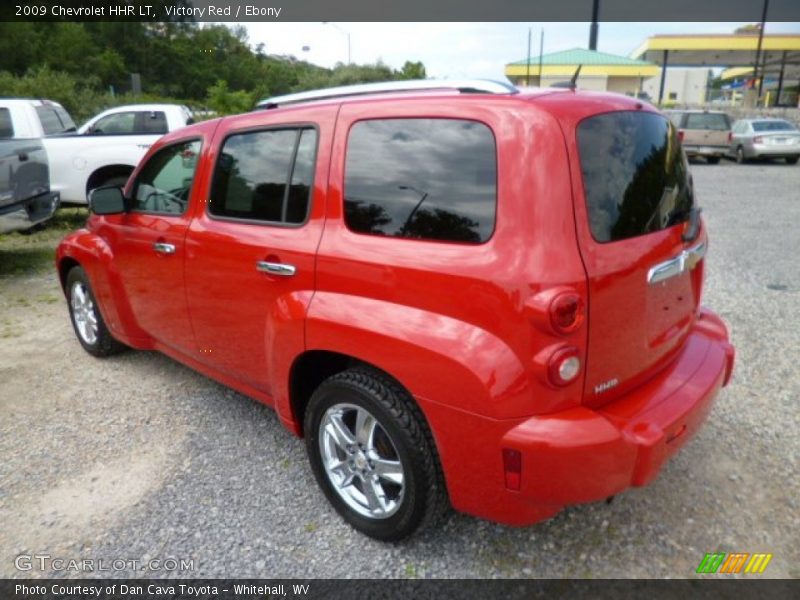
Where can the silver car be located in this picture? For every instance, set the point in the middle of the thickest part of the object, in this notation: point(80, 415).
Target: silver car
point(765, 138)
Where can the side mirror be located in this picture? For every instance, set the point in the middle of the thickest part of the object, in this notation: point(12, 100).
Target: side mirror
point(107, 201)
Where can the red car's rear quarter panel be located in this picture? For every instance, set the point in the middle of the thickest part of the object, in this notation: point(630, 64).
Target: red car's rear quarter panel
point(470, 299)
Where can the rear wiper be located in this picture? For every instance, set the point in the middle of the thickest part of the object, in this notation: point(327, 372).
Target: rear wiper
point(694, 225)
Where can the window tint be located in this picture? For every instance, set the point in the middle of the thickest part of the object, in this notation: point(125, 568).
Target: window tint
point(151, 122)
point(430, 179)
point(761, 126)
point(164, 183)
point(265, 175)
point(712, 121)
point(635, 177)
point(6, 126)
point(115, 124)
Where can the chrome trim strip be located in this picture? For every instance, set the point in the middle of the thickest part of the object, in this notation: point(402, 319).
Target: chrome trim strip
point(481, 86)
point(685, 261)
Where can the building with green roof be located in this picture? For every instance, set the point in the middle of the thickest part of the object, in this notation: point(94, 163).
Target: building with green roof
point(599, 71)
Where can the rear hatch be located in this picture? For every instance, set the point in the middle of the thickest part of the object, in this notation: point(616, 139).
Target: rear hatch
point(706, 129)
point(644, 279)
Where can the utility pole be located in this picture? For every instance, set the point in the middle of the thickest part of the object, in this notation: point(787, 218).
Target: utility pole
point(758, 51)
point(541, 51)
point(528, 62)
point(593, 28)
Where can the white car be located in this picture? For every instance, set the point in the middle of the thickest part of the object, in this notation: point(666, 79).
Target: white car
point(104, 151)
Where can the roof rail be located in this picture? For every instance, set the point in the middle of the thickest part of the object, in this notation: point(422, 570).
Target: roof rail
point(465, 86)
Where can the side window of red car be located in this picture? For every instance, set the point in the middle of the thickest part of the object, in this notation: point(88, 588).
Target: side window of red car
point(431, 179)
point(265, 176)
point(165, 182)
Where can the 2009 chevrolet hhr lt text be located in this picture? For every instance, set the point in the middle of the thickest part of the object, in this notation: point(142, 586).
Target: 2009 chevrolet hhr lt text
point(457, 292)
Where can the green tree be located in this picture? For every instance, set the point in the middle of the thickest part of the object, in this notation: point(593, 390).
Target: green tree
point(413, 70)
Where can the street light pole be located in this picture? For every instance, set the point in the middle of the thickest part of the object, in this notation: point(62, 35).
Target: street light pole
point(345, 32)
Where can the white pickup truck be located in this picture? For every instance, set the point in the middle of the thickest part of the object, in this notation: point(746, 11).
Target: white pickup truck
point(104, 151)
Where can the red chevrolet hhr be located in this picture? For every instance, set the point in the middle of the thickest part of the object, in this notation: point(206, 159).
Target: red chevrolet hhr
point(457, 292)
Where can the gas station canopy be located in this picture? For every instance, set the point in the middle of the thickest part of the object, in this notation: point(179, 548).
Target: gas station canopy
point(725, 50)
point(780, 53)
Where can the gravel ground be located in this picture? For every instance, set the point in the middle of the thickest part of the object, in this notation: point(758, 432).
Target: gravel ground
point(138, 457)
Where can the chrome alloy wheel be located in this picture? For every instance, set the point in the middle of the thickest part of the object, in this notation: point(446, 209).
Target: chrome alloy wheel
point(83, 313)
point(361, 461)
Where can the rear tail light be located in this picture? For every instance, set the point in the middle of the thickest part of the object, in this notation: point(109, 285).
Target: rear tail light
point(758, 139)
point(730, 136)
point(564, 366)
point(566, 312)
point(512, 466)
point(680, 135)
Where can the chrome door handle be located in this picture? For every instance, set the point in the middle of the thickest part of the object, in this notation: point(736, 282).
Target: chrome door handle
point(274, 268)
point(163, 248)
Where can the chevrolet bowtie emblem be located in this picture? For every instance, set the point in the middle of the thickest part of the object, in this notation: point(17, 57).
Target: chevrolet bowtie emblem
point(685, 261)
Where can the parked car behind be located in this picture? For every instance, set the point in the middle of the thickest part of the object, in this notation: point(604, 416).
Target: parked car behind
point(702, 133)
point(455, 291)
point(765, 138)
point(25, 196)
point(108, 148)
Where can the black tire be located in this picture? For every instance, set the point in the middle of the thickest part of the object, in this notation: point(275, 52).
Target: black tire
point(792, 160)
point(712, 160)
point(103, 343)
point(424, 498)
point(740, 157)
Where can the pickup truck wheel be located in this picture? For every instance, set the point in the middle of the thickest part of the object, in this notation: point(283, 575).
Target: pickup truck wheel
point(90, 328)
point(712, 160)
point(373, 455)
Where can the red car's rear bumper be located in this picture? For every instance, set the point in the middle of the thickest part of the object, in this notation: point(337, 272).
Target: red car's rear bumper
point(583, 454)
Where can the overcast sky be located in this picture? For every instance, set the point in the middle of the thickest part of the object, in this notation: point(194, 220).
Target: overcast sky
point(458, 50)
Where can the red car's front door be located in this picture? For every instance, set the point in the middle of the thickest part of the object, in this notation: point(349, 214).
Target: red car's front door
point(149, 243)
point(251, 248)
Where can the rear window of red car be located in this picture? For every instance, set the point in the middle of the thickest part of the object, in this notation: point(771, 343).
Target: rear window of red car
point(635, 177)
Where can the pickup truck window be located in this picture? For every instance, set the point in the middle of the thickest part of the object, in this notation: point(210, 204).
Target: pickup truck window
point(6, 126)
point(54, 119)
point(165, 182)
point(152, 121)
point(131, 122)
point(265, 176)
point(433, 179)
point(116, 124)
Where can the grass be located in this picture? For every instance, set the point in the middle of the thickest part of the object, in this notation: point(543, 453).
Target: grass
point(33, 253)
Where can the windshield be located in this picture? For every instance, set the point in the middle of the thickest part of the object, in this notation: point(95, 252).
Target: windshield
point(761, 126)
point(635, 176)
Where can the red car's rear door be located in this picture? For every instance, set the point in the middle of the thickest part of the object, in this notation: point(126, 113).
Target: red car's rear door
point(251, 248)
